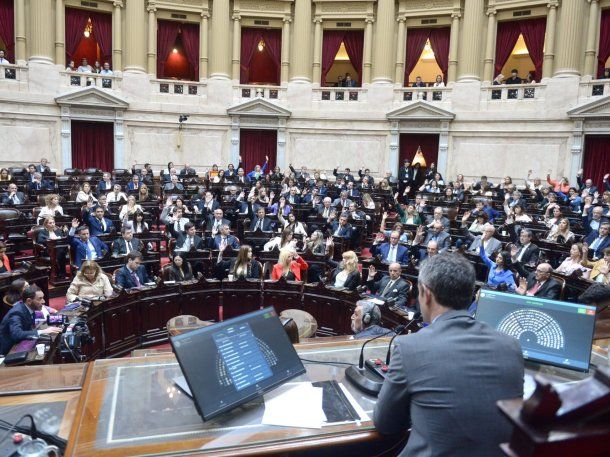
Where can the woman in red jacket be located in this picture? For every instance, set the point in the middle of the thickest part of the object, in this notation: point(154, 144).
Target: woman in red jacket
point(5, 265)
point(289, 265)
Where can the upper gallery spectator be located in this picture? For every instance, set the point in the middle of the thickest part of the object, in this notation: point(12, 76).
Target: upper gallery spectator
point(366, 321)
point(418, 82)
point(12, 196)
point(106, 70)
point(514, 77)
point(71, 66)
point(349, 82)
point(3, 60)
point(84, 67)
point(439, 81)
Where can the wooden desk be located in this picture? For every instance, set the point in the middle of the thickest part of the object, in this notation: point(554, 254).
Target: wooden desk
point(51, 378)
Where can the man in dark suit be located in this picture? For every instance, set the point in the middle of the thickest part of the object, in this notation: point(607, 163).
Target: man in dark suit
point(105, 185)
point(18, 324)
point(539, 283)
point(586, 185)
point(216, 220)
point(352, 191)
point(260, 222)
point(599, 240)
point(132, 275)
point(326, 209)
point(435, 234)
point(342, 229)
point(224, 239)
point(391, 252)
point(390, 288)
point(427, 388)
point(126, 243)
point(514, 77)
point(525, 252)
point(85, 247)
point(347, 175)
point(12, 196)
point(593, 218)
point(134, 184)
point(366, 321)
point(188, 240)
point(187, 171)
point(43, 166)
point(342, 202)
point(418, 82)
point(98, 224)
point(39, 184)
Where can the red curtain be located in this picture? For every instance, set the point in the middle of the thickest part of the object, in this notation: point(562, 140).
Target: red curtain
point(439, 41)
point(93, 145)
point(506, 39)
point(604, 42)
point(76, 21)
point(331, 43)
point(354, 45)
point(273, 44)
point(102, 31)
point(249, 41)
point(167, 32)
point(533, 31)
point(597, 159)
point(7, 28)
point(409, 142)
point(416, 40)
point(254, 145)
point(190, 41)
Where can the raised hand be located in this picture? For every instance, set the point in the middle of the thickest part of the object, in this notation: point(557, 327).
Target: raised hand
point(266, 158)
point(606, 176)
point(384, 216)
point(522, 283)
point(579, 172)
point(466, 216)
point(75, 223)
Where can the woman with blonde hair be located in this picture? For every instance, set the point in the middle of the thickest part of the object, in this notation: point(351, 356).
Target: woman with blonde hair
point(90, 282)
point(143, 194)
point(129, 208)
point(289, 266)
point(561, 232)
point(346, 275)
point(51, 208)
point(578, 253)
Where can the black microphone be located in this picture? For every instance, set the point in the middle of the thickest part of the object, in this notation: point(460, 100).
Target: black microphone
point(387, 357)
point(398, 329)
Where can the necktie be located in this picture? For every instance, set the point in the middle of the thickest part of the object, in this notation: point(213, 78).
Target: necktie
point(136, 279)
point(326, 212)
point(387, 287)
point(595, 243)
point(128, 247)
point(534, 289)
point(189, 243)
point(258, 225)
point(88, 250)
point(392, 254)
point(338, 230)
point(103, 222)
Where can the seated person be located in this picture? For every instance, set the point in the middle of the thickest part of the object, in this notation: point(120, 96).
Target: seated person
point(261, 222)
point(188, 240)
point(289, 266)
point(341, 228)
point(129, 208)
point(286, 239)
point(486, 239)
point(105, 185)
point(207, 203)
point(390, 288)
point(224, 239)
point(366, 321)
point(84, 194)
point(346, 275)
point(51, 208)
point(390, 252)
point(15, 291)
point(499, 271)
point(599, 240)
point(215, 220)
point(173, 186)
point(514, 77)
point(342, 202)
point(291, 223)
point(126, 243)
point(117, 195)
point(132, 275)
point(85, 247)
point(574, 262)
point(561, 233)
point(437, 217)
point(539, 283)
point(12, 196)
point(50, 231)
point(437, 234)
point(98, 224)
point(18, 324)
point(600, 270)
point(5, 264)
point(326, 209)
point(176, 221)
point(90, 283)
point(243, 266)
point(180, 270)
point(525, 251)
point(134, 184)
point(37, 183)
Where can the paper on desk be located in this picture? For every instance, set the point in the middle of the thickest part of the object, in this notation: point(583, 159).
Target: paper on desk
point(294, 405)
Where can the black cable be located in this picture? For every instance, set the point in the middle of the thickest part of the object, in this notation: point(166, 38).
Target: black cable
point(14, 426)
point(33, 432)
point(325, 362)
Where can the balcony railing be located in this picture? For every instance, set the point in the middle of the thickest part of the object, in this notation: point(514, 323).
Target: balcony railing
point(76, 79)
point(11, 72)
point(170, 86)
point(250, 91)
point(594, 88)
point(429, 94)
point(340, 94)
point(513, 92)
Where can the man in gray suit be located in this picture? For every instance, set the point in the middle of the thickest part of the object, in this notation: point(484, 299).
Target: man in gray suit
point(490, 243)
point(444, 380)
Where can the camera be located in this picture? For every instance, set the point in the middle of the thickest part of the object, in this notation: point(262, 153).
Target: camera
point(74, 338)
point(56, 320)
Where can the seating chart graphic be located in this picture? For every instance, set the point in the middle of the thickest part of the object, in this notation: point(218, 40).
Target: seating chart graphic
point(531, 326)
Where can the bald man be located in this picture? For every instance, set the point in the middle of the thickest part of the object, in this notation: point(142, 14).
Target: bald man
point(540, 284)
point(490, 244)
point(391, 288)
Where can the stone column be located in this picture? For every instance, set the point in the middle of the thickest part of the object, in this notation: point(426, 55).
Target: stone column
point(135, 43)
point(368, 50)
point(490, 48)
point(41, 45)
point(549, 43)
point(453, 46)
point(569, 41)
point(469, 68)
point(20, 56)
point(220, 61)
point(384, 37)
point(285, 58)
point(117, 35)
point(301, 42)
point(399, 75)
point(318, 36)
point(152, 40)
point(60, 21)
point(203, 45)
point(592, 33)
point(236, 47)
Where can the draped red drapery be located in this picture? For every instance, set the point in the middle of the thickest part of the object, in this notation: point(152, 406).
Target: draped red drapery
point(506, 38)
point(354, 45)
point(597, 159)
point(533, 31)
point(604, 43)
point(273, 45)
point(409, 142)
point(102, 32)
point(76, 21)
point(331, 42)
point(190, 41)
point(439, 41)
point(416, 41)
point(93, 145)
point(7, 28)
point(254, 145)
point(167, 32)
point(250, 37)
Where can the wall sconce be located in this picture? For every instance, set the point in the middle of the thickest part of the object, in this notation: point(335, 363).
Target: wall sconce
point(88, 28)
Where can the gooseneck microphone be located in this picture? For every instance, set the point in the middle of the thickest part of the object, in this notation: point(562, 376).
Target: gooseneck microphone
point(399, 329)
point(387, 357)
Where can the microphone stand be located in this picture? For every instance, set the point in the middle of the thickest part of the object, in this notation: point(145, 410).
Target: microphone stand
point(387, 357)
point(356, 374)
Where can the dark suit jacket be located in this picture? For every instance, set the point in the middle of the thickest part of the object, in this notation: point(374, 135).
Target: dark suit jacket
point(80, 250)
point(531, 254)
point(296, 198)
point(198, 242)
point(345, 232)
point(210, 222)
point(603, 245)
point(400, 286)
point(95, 225)
point(551, 289)
point(43, 185)
point(352, 281)
point(102, 190)
point(119, 246)
point(203, 208)
point(43, 235)
point(175, 275)
point(231, 241)
point(42, 169)
point(254, 270)
point(428, 390)
point(266, 224)
point(124, 279)
point(8, 201)
point(15, 327)
point(402, 253)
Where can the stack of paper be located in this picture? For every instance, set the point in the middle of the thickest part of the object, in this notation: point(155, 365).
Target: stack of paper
point(296, 404)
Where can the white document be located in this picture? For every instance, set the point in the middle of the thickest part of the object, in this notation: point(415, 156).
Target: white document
point(294, 405)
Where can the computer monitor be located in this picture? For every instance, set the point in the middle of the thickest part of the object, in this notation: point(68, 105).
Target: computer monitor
point(232, 362)
point(550, 332)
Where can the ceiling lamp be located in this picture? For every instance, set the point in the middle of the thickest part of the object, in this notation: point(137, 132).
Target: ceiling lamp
point(419, 158)
point(88, 28)
point(261, 45)
point(175, 51)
